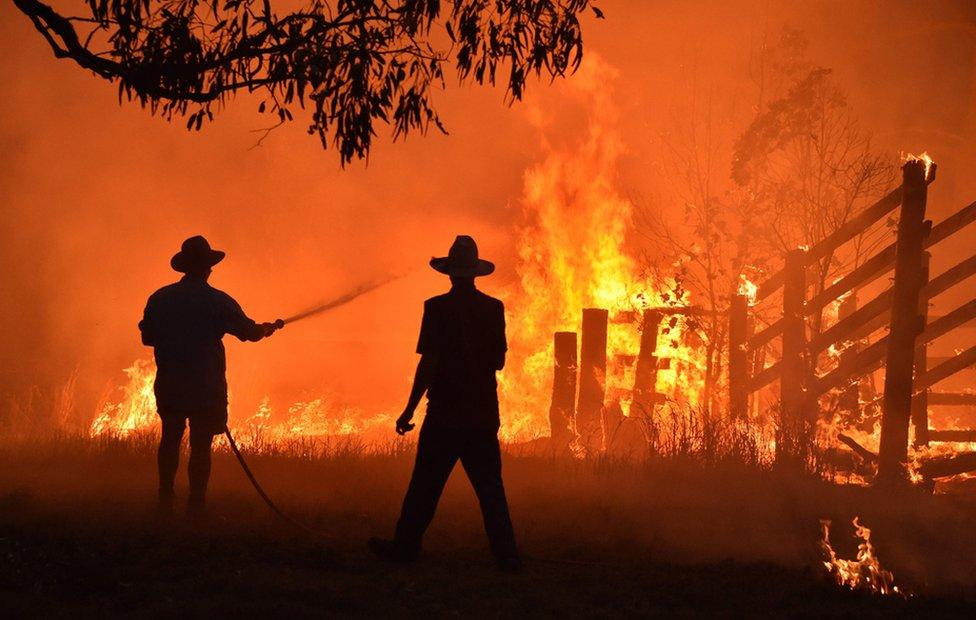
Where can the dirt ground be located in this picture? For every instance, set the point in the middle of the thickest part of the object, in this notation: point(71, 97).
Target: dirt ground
point(79, 536)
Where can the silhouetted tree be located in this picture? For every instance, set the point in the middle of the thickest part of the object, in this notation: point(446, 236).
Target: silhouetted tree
point(809, 167)
point(801, 165)
point(352, 62)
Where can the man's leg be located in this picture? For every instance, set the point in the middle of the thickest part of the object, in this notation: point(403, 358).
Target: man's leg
point(482, 461)
point(436, 455)
point(201, 440)
point(168, 458)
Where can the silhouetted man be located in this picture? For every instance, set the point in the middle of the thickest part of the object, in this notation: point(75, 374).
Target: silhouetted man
point(185, 323)
point(462, 345)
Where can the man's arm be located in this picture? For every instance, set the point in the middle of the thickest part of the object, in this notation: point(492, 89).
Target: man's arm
point(238, 324)
point(427, 348)
point(146, 327)
point(501, 341)
point(421, 381)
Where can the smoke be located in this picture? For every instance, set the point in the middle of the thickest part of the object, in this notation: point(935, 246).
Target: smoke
point(95, 197)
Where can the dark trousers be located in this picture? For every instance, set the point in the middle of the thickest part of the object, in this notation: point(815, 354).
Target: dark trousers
point(438, 449)
point(168, 457)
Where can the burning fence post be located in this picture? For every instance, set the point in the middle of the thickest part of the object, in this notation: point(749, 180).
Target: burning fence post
point(592, 377)
point(645, 375)
point(562, 409)
point(739, 357)
point(791, 445)
point(850, 397)
point(905, 326)
point(920, 402)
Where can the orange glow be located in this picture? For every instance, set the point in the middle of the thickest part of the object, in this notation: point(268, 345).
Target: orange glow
point(573, 254)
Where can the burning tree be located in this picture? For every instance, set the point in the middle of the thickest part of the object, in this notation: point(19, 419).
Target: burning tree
point(352, 62)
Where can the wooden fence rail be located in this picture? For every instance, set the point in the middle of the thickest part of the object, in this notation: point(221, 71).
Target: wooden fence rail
point(903, 306)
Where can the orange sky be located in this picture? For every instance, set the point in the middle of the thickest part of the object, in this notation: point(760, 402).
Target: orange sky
point(95, 198)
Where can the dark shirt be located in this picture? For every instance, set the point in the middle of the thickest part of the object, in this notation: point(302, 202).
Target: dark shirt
point(185, 323)
point(464, 330)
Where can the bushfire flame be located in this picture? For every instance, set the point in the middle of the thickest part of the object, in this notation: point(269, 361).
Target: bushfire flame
point(135, 412)
point(924, 157)
point(864, 572)
point(573, 254)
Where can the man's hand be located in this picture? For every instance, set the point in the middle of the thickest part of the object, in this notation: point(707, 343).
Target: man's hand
point(270, 328)
point(403, 425)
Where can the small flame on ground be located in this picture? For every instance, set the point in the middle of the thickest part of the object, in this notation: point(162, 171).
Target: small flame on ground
point(863, 573)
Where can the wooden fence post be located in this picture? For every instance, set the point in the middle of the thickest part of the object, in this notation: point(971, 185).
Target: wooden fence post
point(850, 397)
point(905, 327)
point(920, 402)
point(645, 374)
point(739, 357)
point(562, 408)
point(592, 378)
point(791, 445)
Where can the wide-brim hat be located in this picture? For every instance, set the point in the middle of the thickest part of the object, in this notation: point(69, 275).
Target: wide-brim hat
point(462, 260)
point(195, 254)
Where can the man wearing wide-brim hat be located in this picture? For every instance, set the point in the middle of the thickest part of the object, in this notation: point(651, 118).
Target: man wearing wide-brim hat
point(462, 345)
point(185, 323)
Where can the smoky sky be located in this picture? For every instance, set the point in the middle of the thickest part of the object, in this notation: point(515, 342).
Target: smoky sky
point(95, 197)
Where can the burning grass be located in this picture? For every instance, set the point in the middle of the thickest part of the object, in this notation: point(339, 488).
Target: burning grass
point(865, 571)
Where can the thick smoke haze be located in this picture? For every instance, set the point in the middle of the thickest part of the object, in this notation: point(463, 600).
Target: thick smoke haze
point(96, 197)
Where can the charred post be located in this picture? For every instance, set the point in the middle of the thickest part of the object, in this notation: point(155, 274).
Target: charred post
point(592, 377)
point(920, 402)
point(905, 327)
point(850, 397)
point(791, 445)
point(739, 357)
point(645, 375)
point(562, 408)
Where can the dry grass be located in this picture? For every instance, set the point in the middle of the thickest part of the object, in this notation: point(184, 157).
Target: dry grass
point(669, 532)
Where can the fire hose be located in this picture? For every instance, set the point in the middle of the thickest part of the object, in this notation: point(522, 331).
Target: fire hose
point(324, 307)
point(317, 534)
point(319, 309)
point(339, 301)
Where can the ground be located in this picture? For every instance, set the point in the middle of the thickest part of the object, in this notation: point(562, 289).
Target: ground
point(79, 536)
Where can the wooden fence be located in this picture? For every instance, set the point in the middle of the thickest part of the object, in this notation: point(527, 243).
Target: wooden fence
point(908, 373)
point(582, 412)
